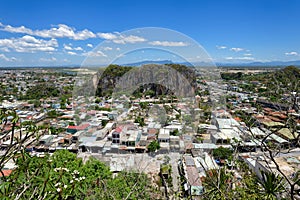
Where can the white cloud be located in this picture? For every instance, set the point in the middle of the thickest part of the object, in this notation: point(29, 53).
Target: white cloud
point(118, 49)
point(52, 59)
point(78, 49)
point(59, 31)
point(292, 53)
point(247, 54)
point(168, 43)
point(221, 47)
point(239, 58)
point(67, 47)
point(70, 48)
point(129, 39)
point(20, 29)
point(71, 53)
point(107, 36)
point(3, 57)
point(89, 45)
point(29, 44)
point(236, 49)
point(65, 31)
point(95, 54)
point(4, 49)
point(107, 48)
point(121, 39)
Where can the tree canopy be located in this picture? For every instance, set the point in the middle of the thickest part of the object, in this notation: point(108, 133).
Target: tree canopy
point(64, 176)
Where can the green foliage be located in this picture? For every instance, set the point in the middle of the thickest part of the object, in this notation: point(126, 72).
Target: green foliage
point(187, 119)
point(109, 78)
point(153, 146)
point(143, 105)
point(97, 100)
point(150, 93)
point(272, 185)
point(232, 76)
point(140, 120)
point(35, 102)
point(245, 117)
point(102, 108)
point(222, 153)
point(222, 184)
point(52, 114)
point(54, 131)
point(272, 85)
point(41, 90)
point(217, 184)
point(63, 101)
point(175, 132)
point(104, 122)
point(71, 123)
point(64, 176)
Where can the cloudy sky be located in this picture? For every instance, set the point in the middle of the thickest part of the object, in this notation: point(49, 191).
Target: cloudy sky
point(53, 33)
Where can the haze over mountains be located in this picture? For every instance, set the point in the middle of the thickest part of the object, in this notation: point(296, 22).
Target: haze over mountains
point(219, 64)
point(204, 64)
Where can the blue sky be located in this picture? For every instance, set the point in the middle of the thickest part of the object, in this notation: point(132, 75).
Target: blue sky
point(34, 33)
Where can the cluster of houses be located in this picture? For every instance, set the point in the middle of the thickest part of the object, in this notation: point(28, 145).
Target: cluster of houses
point(110, 128)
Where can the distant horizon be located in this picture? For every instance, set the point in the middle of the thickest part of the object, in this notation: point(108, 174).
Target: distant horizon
point(137, 64)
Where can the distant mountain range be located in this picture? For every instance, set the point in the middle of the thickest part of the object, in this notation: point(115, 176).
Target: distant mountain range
point(219, 64)
point(204, 64)
point(148, 62)
point(263, 64)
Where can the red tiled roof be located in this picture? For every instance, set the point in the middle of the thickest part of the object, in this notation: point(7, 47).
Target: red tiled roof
point(193, 176)
point(238, 119)
point(152, 131)
point(119, 129)
point(275, 119)
point(91, 112)
point(268, 109)
point(259, 116)
point(6, 172)
point(80, 127)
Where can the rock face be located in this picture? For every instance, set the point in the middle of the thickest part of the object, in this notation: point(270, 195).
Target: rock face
point(159, 79)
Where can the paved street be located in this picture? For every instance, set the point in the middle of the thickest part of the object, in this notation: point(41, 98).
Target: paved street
point(175, 173)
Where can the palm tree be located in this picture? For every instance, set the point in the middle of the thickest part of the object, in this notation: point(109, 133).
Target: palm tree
point(272, 185)
point(217, 184)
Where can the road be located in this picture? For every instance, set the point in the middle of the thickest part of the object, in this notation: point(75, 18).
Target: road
point(174, 157)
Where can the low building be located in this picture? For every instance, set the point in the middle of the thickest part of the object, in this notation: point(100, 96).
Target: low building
point(74, 129)
point(174, 143)
point(164, 135)
point(164, 147)
point(46, 139)
point(207, 128)
point(287, 134)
